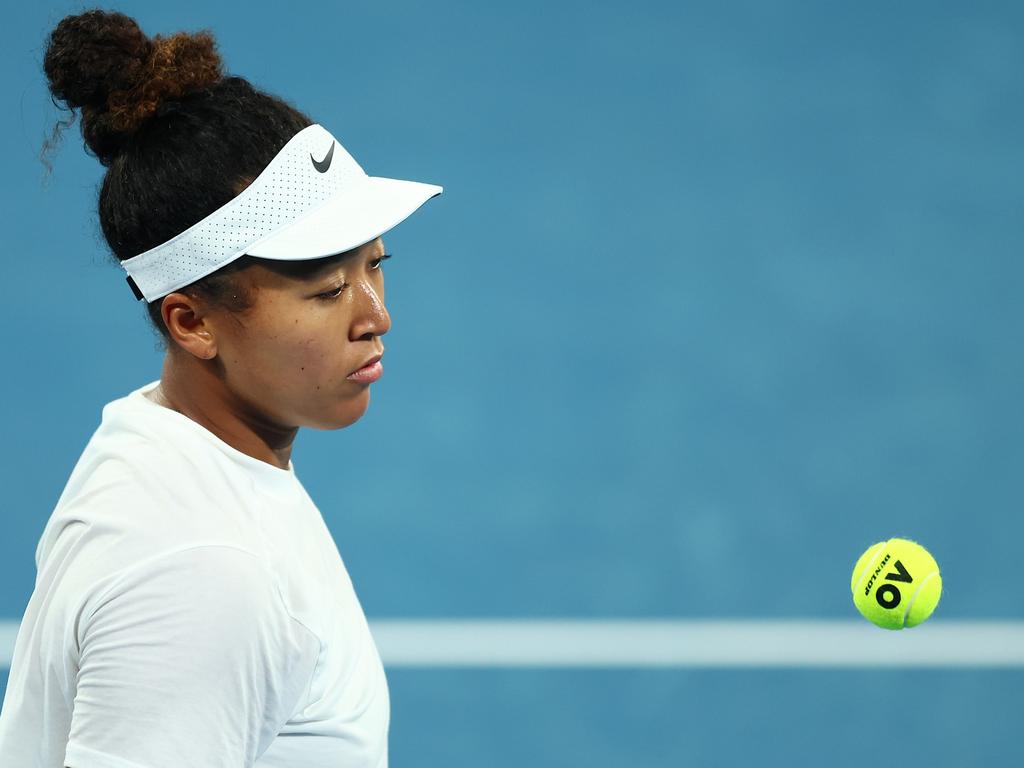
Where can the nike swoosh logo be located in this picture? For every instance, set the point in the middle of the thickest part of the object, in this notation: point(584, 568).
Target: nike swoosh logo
point(324, 164)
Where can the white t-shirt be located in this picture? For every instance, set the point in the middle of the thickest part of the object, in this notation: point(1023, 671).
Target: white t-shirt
point(190, 609)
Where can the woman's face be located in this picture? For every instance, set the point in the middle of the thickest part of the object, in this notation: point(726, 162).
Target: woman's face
point(288, 356)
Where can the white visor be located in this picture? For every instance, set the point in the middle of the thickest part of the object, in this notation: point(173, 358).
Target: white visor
point(312, 200)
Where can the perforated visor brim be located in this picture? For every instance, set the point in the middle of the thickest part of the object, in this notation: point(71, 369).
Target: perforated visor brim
point(364, 210)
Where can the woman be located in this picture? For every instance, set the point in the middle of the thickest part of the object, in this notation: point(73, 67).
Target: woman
point(191, 607)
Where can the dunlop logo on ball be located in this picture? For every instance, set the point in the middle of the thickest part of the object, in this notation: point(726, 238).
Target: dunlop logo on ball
point(896, 584)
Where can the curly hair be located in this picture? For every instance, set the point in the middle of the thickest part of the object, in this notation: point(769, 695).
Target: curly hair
point(178, 138)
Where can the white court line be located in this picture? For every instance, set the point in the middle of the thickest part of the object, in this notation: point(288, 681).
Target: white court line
point(681, 644)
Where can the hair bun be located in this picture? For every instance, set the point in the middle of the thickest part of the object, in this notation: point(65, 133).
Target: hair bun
point(102, 62)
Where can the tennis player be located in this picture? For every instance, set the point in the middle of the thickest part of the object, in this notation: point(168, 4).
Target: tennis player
point(191, 609)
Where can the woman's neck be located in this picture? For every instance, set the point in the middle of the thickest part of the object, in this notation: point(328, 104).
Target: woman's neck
point(193, 389)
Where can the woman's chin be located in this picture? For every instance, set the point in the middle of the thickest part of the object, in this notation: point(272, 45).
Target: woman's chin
point(345, 413)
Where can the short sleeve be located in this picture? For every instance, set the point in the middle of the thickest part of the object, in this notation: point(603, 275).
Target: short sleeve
point(189, 659)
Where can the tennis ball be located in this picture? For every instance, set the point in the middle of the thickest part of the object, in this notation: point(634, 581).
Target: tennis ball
point(896, 584)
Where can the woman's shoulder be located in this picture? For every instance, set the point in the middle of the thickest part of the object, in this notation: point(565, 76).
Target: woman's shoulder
point(134, 493)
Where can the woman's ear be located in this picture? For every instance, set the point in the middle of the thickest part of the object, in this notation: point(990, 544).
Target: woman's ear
point(189, 325)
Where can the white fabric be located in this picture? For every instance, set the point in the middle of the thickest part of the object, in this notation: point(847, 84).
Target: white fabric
point(312, 200)
point(190, 609)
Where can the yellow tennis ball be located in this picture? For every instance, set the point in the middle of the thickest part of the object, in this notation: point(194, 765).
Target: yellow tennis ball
point(896, 584)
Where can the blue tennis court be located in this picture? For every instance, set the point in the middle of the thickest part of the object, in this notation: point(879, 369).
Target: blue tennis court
point(717, 296)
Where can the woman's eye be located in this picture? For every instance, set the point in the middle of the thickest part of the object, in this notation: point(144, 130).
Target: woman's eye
point(335, 293)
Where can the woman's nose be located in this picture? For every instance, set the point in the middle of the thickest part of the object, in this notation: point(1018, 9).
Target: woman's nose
point(371, 315)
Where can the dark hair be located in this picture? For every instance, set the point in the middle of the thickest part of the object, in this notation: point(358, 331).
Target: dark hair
point(177, 137)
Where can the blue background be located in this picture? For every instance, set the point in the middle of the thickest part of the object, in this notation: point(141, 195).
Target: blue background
point(717, 295)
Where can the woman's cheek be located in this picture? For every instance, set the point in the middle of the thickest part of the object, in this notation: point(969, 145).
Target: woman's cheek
point(309, 356)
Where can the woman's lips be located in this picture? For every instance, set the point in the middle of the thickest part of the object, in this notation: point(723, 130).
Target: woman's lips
point(368, 374)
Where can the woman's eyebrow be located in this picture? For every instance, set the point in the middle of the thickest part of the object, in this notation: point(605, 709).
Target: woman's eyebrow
point(327, 265)
point(337, 260)
point(317, 269)
point(330, 265)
